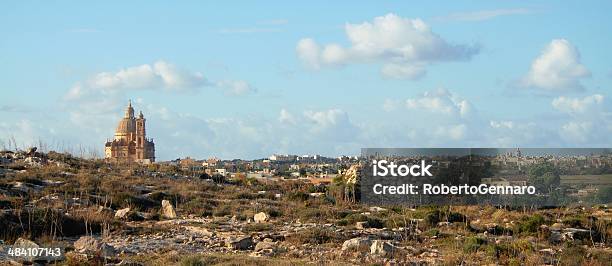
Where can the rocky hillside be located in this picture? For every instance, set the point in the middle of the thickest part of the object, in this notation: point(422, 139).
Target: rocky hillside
point(107, 214)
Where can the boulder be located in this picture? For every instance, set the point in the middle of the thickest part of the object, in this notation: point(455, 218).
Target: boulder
point(261, 217)
point(199, 231)
point(359, 243)
point(240, 243)
point(377, 209)
point(556, 226)
point(570, 234)
point(25, 243)
point(31, 151)
point(555, 237)
point(121, 214)
point(90, 245)
point(265, 245)
point(383, 248)
point(168, 210)
point(361, 225)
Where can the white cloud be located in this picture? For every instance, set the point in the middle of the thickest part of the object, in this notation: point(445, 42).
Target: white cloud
point(327, 118)
point(286, 117)
point(440, 101)
point(308, 51)
point(160, 75)
point(502, 124)
point(399, 71)
point(508, 133)
point(390, 105)
point(404, 47)
point(484, 14)
point(588, 104)
point(453, 132)
point(236, 87)
point(576, 131)
point(558, 68)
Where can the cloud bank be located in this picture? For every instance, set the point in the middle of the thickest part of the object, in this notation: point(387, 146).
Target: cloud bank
point(404, 47)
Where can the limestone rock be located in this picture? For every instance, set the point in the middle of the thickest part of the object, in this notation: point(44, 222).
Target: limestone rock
point(24, 243)
point(556, 226)
point(121, 214)
point(168, 210)
point(199, 230)
point(383, 248)
point(90, 245)
point(240, 243)
point(31, 151)
point(261, 217)
point(570, 234)
point(555, 237)
point(265, 245)
point(362, 243)
point(361, 225)
point(377, 209)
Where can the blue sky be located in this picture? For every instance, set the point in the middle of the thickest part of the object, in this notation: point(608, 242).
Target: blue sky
point(244, 79)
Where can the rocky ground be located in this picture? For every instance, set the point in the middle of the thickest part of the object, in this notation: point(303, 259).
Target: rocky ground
point(112, 215)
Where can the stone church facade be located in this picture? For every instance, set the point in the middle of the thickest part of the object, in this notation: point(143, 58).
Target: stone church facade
point(130, 143)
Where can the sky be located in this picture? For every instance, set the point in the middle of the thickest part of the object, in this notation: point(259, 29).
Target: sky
point(247, 79)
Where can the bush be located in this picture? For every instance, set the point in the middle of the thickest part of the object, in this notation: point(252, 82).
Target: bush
point(433, 217)
point(298, 196)
point(374, 222)
point(257, 227)
point(531, 224)
point(472, 244)
point(432, 233)
point(192, 261)
point(274, 212)
point(223, 210)
point(125, 199)
point(35, 223)
point(573, 222)
point(454, 217)
point(311, 214)
point(572, 255)
point(314, 235)
point(342, 222)
point(356, 217)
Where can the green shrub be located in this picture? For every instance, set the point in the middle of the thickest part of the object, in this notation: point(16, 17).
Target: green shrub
point(432, 232)
point(192, 261)
point(531, 224)
point(222, 211)
point(298, 196)
point(342, 222)
point(472, 244)
point(374, 222)
point(433, 217)
point(572, 221)
point(314, 235)
point(257, 227)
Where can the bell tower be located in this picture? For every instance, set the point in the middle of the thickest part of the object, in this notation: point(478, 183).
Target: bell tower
point(140, 136)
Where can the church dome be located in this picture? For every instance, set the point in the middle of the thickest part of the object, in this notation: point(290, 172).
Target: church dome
point(126, 125)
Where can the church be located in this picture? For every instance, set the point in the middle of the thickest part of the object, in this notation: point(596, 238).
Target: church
point(130, 143)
